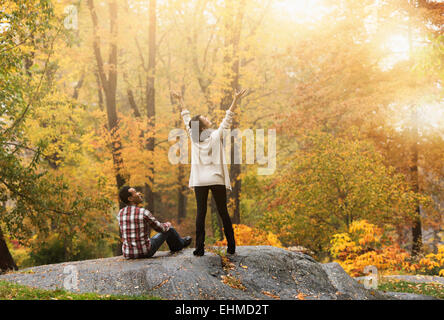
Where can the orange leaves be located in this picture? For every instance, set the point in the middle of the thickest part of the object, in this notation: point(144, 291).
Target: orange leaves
point(301, 296)
point(247, 236)
point(267, 293)
point(372, 251)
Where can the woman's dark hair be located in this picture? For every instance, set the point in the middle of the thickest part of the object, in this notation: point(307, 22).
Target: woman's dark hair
point(124, 194)
point(200, 127)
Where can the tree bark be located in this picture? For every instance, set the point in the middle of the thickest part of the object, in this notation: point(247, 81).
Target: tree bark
point(99, 92)
point(109, 84)
point(232, 40)
point(151, 102)
point(417, 224)
point(216, 220)
point(181, 183)
point(6, 260)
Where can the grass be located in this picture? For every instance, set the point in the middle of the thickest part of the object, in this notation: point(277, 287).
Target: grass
point(429, 289)
point(12, 291)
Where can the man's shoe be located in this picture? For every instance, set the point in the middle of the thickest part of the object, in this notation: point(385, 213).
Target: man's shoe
point(186, 241)
point(231, 250)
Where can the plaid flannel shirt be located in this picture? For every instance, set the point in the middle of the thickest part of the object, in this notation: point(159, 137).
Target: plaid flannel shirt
point(134, 223)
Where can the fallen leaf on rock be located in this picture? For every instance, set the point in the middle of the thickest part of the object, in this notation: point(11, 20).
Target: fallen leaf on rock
point(301, 296)
point(161, 284)
point(267, 293)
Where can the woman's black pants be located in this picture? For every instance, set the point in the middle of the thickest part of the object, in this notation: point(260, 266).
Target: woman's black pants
point(219, 193)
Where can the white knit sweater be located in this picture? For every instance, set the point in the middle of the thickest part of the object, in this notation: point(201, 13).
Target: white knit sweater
point(208, 162)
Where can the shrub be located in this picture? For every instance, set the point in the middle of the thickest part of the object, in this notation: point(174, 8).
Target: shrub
point(432, 264)
point(365, 244)
point(247, 236)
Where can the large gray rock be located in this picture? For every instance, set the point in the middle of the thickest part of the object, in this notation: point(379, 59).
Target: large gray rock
point(257, 272)
point(347, 285)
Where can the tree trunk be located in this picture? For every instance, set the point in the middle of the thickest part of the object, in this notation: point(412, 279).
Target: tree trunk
point(181, 196)
point(232, 40)
point(181, 190)
point(99, 92)
point(109, 85)
point(151, 102)
point(216, 220)
point(6, 260)
point(417, 225)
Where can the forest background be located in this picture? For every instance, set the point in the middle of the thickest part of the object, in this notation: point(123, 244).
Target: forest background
point(354, 90)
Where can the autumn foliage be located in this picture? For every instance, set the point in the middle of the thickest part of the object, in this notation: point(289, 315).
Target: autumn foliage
point(248, 236)
point(354, 94)
point(366, 244)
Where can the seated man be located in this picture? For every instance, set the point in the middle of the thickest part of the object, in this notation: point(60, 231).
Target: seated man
point(134, 224)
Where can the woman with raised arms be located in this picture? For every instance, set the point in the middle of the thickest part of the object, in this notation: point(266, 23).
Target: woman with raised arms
point(209, 170)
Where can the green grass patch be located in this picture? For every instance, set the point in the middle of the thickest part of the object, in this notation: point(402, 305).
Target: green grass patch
point(428, 289)
point(12, 291)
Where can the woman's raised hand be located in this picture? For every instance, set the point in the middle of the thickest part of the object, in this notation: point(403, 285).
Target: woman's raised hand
point(239, 94)
point(178, 95)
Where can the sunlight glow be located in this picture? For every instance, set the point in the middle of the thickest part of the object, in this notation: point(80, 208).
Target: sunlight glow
point(301, 10)
point(431, 116)
point(4, 26)
point(399, 45)
point(399, 50)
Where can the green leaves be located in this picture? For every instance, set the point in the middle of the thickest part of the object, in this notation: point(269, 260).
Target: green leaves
point(332, 182)
point(37, 201)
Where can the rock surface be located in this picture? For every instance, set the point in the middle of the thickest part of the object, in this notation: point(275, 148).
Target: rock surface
point(417, 278)
point(254, 272)
point(346, 284)
point(408, 296)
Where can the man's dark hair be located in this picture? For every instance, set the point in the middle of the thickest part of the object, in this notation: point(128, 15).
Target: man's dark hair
point(124, 194)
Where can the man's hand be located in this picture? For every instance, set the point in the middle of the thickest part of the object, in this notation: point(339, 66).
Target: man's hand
point(168, 224)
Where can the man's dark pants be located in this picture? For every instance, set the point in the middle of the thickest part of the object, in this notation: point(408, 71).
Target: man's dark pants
point(173, 239)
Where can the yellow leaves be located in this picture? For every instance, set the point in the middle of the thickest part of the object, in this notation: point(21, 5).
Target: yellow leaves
point(233, 282)
point(247, 236)
point(341, 242)
point(354, 258)
point(359, 248)
point(432, 261)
